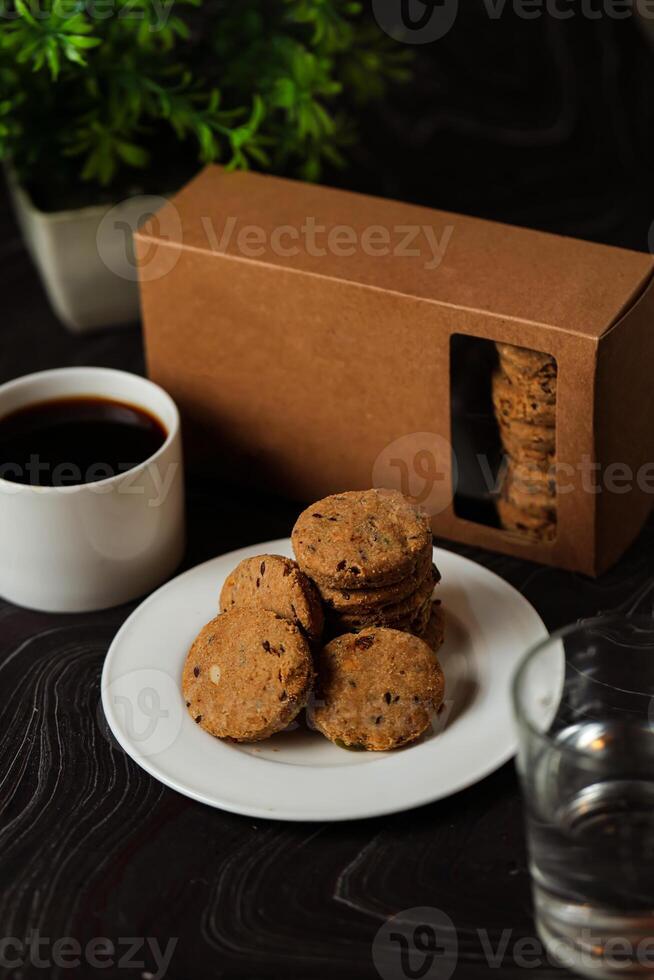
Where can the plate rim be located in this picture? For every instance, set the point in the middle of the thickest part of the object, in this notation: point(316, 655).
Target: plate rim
point(302, 813)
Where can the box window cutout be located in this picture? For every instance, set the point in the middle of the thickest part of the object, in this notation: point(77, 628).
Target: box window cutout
point(504, 436)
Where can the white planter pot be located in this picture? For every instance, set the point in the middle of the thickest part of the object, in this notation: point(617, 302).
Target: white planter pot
point(85, 257)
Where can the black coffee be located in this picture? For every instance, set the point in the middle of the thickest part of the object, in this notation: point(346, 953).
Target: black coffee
point(76, 440)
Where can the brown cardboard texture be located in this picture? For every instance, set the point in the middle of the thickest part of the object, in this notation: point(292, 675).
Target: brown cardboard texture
point(305, 334)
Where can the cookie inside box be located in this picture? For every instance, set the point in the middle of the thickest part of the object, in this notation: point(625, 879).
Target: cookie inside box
point(503, 431)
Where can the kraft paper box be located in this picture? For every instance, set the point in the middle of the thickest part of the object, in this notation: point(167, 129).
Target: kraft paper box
point(317, 340)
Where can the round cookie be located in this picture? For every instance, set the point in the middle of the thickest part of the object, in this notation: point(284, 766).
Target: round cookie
point(392, 614)
point(529, 498)
point(526, 456)
point(247, 675)
point(420, 621)
point(524, 362)
point(343, 601)
point(540, 527)
point(276, 583)
point(533, 474)
point(361, 539)
point(377, 689)
point(434, 633)
point(415, 622)
point(540, 388)
point(514, 403)
point(524, 441)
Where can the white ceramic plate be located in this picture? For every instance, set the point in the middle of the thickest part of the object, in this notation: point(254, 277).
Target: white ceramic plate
point(299, 775)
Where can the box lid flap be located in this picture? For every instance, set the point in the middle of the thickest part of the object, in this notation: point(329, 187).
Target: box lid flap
point(467, 263)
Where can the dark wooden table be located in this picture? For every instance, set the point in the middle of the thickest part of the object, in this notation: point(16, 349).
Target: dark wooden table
point(92, 847)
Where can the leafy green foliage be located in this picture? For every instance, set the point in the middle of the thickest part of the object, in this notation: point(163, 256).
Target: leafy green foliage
point(103, 89)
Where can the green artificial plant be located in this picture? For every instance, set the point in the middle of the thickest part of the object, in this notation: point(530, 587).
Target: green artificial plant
point(96, 91)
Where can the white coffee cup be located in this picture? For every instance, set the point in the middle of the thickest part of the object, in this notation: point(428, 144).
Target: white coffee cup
point(92, 545)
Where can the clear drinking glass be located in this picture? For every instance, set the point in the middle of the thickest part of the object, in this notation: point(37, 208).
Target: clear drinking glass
point(583, 701)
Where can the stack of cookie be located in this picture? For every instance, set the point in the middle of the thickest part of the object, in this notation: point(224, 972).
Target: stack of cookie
point(251, 670)
point(370, 555)
point(524, 397)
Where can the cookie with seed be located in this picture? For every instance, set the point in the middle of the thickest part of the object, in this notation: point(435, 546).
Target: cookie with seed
point(533, 527)
point(521, 440)
point(434, 633)
point(361, 539)
point(354, 600)
point(376, 690)
point(420, 620)
point(533, 474)
point(247, 675)
point(522, 362)
point(529, 498)
point(515, 402)
point(394, 614)
point(538, 388)
point(276, 583)
point(415, 623)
